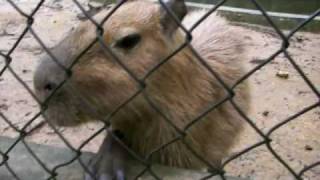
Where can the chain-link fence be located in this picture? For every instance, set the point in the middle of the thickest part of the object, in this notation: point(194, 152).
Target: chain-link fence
point(143, 83)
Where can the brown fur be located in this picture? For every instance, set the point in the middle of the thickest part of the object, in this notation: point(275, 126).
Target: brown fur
point(182, 88)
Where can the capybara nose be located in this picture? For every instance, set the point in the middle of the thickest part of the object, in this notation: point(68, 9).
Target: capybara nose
point(47, 78)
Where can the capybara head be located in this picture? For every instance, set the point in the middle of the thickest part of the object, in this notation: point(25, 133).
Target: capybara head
point(139, 34)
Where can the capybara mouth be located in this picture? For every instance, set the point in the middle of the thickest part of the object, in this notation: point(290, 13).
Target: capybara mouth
point(61, 112)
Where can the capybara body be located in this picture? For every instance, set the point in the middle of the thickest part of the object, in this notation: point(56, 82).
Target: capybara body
point(179, 90)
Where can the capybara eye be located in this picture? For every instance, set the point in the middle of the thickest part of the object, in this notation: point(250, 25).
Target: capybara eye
point(128, 42)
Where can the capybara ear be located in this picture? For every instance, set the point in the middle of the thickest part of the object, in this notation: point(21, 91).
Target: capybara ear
point(179, 9)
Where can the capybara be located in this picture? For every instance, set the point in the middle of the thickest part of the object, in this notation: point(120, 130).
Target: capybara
point(141, 34)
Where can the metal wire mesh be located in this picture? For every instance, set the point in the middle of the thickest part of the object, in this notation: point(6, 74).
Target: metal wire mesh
point(52, 172)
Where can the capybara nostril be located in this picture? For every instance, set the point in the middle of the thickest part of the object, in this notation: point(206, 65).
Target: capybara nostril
point(50, 86)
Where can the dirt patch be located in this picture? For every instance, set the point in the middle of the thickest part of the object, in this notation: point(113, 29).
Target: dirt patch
point(278, 92)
